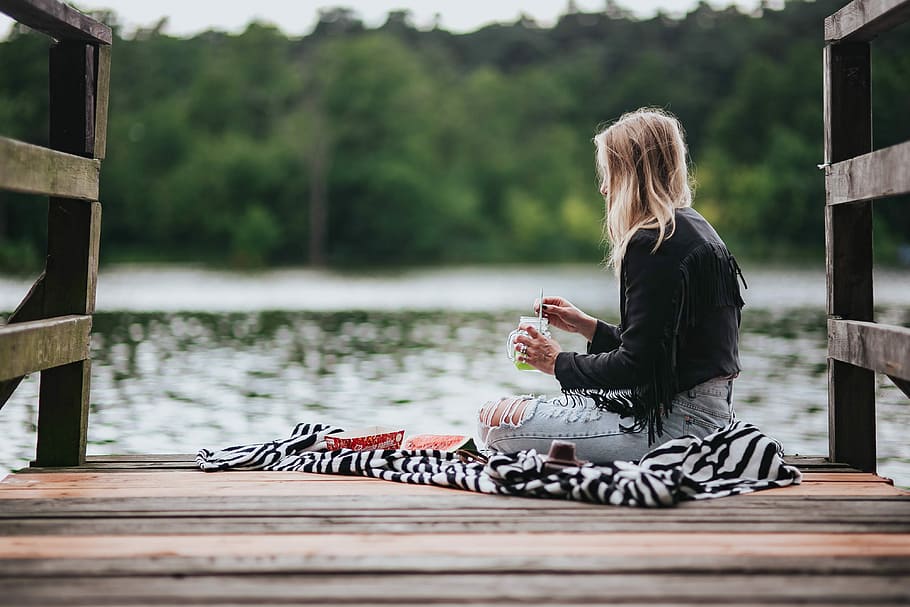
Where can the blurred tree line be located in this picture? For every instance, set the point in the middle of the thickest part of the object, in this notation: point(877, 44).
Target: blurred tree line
point(400, 145)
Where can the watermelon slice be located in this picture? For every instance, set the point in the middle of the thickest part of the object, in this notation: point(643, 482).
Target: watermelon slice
point(363, 439)
point(440, 442)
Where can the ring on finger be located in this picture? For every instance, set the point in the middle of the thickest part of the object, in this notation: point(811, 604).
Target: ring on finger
point(523, 348)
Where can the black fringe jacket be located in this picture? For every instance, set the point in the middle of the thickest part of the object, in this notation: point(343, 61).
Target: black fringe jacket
point(679, 325)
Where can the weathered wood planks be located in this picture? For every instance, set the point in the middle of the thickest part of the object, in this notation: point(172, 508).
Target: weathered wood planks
point(187, 537)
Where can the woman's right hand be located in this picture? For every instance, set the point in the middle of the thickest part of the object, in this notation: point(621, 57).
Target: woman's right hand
point(563, 315)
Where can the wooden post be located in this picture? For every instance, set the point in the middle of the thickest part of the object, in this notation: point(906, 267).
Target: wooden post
point(848, 253)
point(72, 256)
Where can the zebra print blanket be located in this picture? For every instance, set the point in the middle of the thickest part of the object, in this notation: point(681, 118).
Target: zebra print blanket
point(737, 459)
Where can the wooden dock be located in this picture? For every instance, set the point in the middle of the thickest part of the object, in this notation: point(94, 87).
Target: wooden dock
point(152, 530)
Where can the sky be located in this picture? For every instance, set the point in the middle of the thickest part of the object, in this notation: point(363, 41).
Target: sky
point(297, 17)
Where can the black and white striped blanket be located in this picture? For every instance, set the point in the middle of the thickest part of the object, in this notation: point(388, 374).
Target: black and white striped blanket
point(737, 459)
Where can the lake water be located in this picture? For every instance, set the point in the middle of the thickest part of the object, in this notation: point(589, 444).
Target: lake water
point(186, 358)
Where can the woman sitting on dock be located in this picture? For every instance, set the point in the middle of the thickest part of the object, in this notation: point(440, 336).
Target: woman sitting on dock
point(667, 369)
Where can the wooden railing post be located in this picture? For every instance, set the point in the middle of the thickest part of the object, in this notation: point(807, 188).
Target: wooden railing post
point(73, 234)
point(848, 252)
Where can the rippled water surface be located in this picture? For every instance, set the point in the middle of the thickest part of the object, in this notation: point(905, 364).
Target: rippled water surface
point(186, 358)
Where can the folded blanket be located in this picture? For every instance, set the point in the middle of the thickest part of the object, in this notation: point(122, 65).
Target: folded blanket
point(736, 459)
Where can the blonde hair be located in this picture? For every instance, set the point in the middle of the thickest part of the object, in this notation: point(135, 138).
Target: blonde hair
point(641, 162)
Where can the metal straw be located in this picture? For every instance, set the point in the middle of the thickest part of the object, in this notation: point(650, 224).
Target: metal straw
point(540, 311)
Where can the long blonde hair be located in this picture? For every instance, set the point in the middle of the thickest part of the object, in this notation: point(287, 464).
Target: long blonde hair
point(641, 162)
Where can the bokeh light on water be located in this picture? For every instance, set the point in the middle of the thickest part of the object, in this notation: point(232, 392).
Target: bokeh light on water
point(176, 381)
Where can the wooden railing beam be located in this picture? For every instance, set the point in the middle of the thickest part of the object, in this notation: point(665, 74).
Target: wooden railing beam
point(57, 20)
point(33, 169)
point(878, 174)
point(863, 20)
point(881, 348)
point(36, 345)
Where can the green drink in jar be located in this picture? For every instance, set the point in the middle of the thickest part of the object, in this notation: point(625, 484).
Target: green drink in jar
point(539, 323)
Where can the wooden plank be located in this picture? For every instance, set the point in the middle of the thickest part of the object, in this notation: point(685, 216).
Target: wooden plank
point(369, 490)
point(63, 414)
point(445, 522)
point(57, 20)
point(812, 463)
point(847, 101)
point(863, 20)
point(366, 490)
point(27, 347)
point(460, 544)
point(187, 458)
point(220, 480)
point(430, 504)
point(117, 468)
point(72, 256)
point(848, 252)
point(878, 174)
point(528, 564)
point(280, 500)
point(164, 462)
point(490, 588)
point(73, 236)
point(72, 98)
point(816, 463)
point(882, 348)
point(844, 477)
point(183, 478)
point(177, 478)
point(851, 414)
point(36, 170)
point(102, 97)
point(869, 513)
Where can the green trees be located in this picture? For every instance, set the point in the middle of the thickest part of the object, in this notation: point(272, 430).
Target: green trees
point(398, 146)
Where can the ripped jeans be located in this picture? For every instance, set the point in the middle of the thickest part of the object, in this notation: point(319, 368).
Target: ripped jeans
point(533, 422)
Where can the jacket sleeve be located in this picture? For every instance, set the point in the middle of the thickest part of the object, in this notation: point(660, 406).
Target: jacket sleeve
point(606, 338)
point(650, 284)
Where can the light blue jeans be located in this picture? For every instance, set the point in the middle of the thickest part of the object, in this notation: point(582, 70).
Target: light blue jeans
point(601, 436)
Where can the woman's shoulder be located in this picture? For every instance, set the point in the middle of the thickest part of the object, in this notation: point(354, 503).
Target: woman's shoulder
point(693, 226)
point(689, 232)
point(685, 221)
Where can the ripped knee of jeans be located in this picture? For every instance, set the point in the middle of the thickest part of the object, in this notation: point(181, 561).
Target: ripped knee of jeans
point(508, 412)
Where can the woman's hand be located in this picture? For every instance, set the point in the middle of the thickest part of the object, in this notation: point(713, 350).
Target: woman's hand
point(563, 315)
point(538, 351)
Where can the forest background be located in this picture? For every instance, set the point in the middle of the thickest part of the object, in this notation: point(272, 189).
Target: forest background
point(356, 146)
